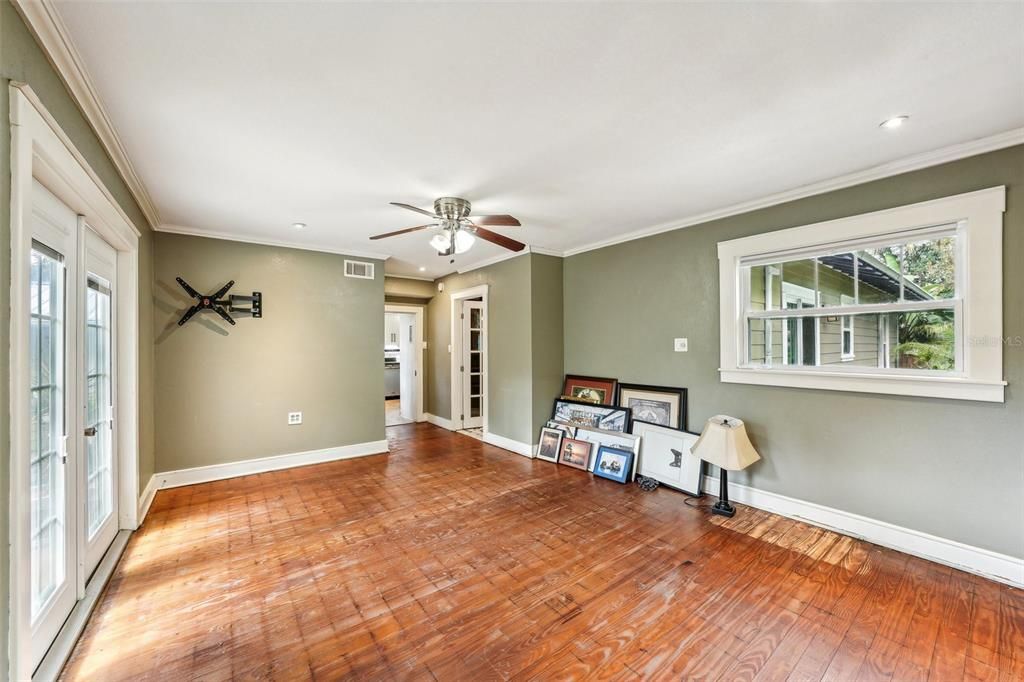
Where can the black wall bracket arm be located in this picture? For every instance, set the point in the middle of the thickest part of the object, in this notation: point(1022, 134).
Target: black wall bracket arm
point(218, 304)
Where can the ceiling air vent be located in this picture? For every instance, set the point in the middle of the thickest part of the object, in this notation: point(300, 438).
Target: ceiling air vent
point(358, 269)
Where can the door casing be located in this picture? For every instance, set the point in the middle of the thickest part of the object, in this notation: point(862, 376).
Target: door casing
point(41, 151)
point(455, 354)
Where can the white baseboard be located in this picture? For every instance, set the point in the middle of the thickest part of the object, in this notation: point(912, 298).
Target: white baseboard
point(524, 449)
point(983, 562)
point(146, 499)
point(439, 421)
point(217, 472)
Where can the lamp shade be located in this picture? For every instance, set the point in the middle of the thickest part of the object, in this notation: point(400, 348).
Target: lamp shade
point(725, 444)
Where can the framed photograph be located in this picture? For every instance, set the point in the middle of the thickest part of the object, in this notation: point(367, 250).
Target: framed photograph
point(606, 417)
point(570, 431)
point(589, 389)
point(613, 464)
point(550, 444)
point(665, 456)
point(661, 405)
point(612, 439)
point(575, 453)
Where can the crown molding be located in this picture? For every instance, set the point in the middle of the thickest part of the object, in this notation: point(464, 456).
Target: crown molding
point(45, 23)
point(501, 257)
point(418, 279)
point(954, 152)
point(279, 243)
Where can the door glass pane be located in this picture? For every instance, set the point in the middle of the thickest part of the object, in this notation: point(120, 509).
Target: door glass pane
point(98, 447)
point(474, 362)
point(474, 407)
point(474, 339)
point(475, 318)
point(46, 469)
point(474, 384)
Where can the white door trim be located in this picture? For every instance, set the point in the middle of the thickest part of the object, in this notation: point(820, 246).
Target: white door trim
point(417, 333)
point(456, 353)
point(40, 150)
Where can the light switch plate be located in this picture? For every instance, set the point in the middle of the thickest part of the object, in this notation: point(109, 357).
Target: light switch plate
point(294, 418)
point(681, 345)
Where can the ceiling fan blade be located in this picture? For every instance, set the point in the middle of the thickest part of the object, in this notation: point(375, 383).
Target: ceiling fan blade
point(398, 232)
point(413, 208)
point(499, 239)
point(497, 220)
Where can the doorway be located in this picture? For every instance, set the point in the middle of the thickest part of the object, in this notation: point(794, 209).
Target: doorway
point(74, 372)
point(469, 392)
point(73, 484)
point(403, 364)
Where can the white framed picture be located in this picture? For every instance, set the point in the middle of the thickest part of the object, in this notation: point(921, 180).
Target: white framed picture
point(612, 439)
point(665, 456)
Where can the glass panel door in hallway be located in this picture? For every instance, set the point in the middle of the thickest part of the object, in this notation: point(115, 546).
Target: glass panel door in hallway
point(52, 550)
point(99, 474)
point(473, 364)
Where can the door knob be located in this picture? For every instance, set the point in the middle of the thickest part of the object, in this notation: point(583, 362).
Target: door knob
point(91, 431)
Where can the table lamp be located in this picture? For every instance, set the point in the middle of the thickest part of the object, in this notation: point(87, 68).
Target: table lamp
point(725, 444)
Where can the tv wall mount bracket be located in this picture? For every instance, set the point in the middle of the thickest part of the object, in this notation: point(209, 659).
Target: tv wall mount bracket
point(220, 305)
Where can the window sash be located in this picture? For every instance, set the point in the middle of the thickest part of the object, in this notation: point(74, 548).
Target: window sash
point(835, 248)
point(867, 308)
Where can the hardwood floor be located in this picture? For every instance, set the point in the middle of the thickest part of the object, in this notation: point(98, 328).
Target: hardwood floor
point(451, 559)
point(393, 413)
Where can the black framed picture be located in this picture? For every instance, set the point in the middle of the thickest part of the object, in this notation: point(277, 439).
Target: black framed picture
point(661, 405)
point(590, 415)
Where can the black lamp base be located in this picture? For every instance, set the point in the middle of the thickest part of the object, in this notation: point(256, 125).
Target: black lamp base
point(722, 507)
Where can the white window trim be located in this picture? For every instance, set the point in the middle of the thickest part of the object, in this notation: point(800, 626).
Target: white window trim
point(980, 281)
point(847, 325)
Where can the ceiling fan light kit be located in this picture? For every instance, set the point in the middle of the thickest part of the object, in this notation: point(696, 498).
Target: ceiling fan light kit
point(458, 232)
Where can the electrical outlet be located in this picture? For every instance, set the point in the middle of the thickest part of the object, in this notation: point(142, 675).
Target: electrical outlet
point(294, 418)
point(681, 345)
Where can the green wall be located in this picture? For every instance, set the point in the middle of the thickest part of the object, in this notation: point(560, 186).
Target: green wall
point(524, 341)
point(546, 336)
point(954, 469)
point(223, 392)
point(22, 60)
point(508, 342)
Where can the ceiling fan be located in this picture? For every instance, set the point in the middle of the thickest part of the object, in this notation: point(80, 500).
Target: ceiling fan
point(458, 228)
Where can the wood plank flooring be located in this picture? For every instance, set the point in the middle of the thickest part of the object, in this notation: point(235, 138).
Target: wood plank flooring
point(450, 559)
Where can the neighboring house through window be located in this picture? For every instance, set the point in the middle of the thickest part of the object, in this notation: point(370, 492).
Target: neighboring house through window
point(881, 295)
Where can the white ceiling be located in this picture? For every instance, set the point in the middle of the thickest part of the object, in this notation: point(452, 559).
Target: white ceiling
point(586, 121)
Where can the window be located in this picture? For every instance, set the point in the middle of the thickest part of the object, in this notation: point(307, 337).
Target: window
point(847, 339)
point(877, 302)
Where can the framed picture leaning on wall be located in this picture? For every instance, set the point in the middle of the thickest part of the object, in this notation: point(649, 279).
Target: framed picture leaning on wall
point(665, 456)
point(613, 464)
point(575, 413)
point(575, 453)
point(550, 444)
point(661, 405)
point(589, 389)
point(612, 439)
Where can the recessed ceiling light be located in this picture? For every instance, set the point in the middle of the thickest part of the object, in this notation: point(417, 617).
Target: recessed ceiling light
point(299, 226)
point(423, 268)
point(894, 122)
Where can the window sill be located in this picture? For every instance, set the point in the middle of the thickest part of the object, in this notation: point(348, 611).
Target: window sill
point(953, 388)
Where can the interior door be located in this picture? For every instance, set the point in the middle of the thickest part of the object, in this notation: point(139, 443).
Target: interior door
point(409, 366)
point(473, 364)
point(52, 483)
point(98, 465)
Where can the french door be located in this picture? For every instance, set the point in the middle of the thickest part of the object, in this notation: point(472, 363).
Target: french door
point(73, 476)
point(473, 364)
